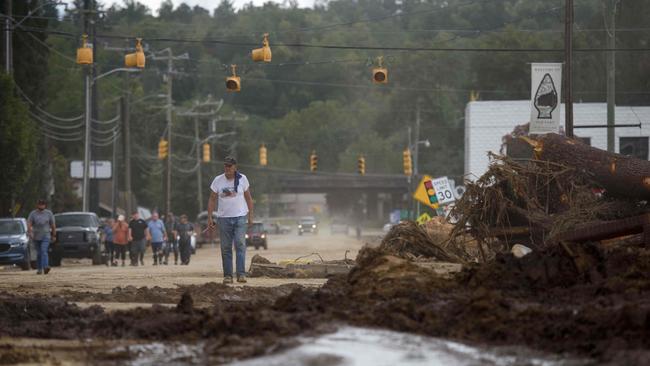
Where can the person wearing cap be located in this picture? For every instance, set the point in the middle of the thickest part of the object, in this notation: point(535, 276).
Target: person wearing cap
point(120, 238)
point(42, 230)
point(231, 198)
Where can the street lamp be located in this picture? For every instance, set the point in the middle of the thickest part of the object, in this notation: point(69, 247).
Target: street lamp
point(87, 141)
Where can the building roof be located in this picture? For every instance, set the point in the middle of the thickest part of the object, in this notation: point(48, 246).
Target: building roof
point(486, 122)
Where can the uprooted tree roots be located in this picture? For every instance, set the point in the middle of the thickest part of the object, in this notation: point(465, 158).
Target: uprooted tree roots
point(531, 202)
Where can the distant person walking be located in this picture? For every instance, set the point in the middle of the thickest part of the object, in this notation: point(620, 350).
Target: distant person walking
point(184, 230)
point(138, 233)
point(42, 230)
point(231, 197)
point(172, 240)
point(120, 238)
point(157, 236)
point(108, 242)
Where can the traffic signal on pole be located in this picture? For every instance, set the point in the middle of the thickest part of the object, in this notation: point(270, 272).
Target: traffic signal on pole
point(136, 59)
point(85, 52)
point(206, 153)
point(163, 149)
point(313, 161)
point(263, 160)
point(264, 53)
point(408, 163)
point(233, 82)
point(380, 74)
point(361, 164)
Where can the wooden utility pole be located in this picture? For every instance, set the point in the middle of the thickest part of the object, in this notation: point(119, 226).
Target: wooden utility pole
point(609, 16)
point(8, 38)
point(568, 79)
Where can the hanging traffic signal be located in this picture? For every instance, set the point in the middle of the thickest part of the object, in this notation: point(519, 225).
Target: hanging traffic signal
point(85, 52)
point(380, 74)
point(408, 163)
point(263, 160)
point(206, 153)
point(163, 149)
point(136, 59)
point(361, 164)
point(313, 161)
point(264, 53)
point(233, 82)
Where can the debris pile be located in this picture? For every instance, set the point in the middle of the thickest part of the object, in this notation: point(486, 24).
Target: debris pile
point(299, 268)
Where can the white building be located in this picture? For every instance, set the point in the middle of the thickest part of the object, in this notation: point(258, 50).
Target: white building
point(486, 122)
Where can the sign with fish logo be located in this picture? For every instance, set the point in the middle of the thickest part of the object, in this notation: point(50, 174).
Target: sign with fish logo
point(545, 92)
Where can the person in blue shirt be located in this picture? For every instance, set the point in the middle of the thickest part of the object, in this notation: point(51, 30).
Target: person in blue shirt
point(157, 235)
point(108, 242)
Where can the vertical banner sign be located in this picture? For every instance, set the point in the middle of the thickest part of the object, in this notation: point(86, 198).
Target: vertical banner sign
point(545, 93)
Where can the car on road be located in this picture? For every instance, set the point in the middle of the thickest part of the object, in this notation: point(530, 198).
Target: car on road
point(15, 246)
point(256, 236)
point(78, 235)
point(339, 226)
point(307, 225)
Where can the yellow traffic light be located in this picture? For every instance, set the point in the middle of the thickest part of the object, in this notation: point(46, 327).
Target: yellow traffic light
point(313, 161)
point(264, 53)
point(408, 163)
point(263, 160)
point(233, 83)
point(361, 164)
point(85, 52)
point(163, 149)
point(380, 74)
point(206, 153)
point(136, 59)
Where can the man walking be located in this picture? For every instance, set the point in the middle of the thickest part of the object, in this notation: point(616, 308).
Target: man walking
point(184, 230)
point(157, 235)
point(231, 197)
point(172, 242)
point(138, 232)
point(41, 228)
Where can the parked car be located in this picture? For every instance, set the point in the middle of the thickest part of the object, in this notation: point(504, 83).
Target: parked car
point(15, 246)
point(276, 228)
point(78, 235)
point(307, 225)
point(339, 226)
point(256, 236)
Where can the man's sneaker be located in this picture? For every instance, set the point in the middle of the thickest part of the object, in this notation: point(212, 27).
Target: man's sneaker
point(227, 280)
point(47, 270)
point(241, 279)
point(41, 272)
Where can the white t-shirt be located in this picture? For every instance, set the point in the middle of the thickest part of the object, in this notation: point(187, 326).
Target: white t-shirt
point(230, 203)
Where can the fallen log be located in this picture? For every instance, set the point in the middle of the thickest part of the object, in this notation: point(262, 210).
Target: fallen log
point(619, 175)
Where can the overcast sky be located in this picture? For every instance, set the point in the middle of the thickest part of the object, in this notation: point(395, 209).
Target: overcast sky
point(207, 4)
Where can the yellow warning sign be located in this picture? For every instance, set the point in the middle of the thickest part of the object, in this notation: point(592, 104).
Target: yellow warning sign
point(422, 219)
point(426, 193)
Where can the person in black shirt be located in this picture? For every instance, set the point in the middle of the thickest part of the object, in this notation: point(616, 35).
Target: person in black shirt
point(184, 230)
point(138, 234)
point(172, 243)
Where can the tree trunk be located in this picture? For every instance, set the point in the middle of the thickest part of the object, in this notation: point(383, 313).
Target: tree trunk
point(620, 175)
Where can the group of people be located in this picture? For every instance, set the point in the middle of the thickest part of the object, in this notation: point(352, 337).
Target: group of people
point(165, 238)
point(230, 198)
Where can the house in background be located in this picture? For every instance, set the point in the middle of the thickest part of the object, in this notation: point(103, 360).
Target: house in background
point(486, 122)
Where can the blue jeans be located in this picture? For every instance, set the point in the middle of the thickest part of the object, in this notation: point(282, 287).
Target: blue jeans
point(42, 261)
point(232, 231)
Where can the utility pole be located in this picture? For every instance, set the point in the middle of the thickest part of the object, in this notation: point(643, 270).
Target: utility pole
point(568, 76)
point(114, 187)
point(126, 146)
point(199, 177)
point(87, 139)
point(610, 27)
point(416, 154)
point(8, 38)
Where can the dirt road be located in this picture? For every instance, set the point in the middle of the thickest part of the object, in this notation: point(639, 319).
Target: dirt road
point(205, 266)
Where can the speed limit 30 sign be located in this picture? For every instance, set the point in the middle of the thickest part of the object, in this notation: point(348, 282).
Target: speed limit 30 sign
point(434, 192)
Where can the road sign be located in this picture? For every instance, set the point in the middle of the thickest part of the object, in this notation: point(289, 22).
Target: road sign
point(99, 169)
point(422, 219)
point(434, 192)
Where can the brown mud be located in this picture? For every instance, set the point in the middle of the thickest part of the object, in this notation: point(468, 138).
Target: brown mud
point(540, 301)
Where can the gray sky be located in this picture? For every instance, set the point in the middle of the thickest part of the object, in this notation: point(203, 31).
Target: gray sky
point(208, 4)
